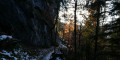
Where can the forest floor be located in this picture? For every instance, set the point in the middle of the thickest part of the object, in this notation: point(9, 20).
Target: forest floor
point(12, 49)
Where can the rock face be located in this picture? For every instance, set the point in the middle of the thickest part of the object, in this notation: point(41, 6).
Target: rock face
point(28, 20)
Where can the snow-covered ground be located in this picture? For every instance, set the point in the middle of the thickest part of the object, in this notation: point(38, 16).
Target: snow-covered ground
point(20, 54)
point(7, 54)
point(57, 51)
point(48, 56)
point(16, 54)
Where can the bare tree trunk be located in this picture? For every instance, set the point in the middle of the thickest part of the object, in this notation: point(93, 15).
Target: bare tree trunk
point(63, 33)
point(80, 34)
point(75, 25)
point(97, 30)
point(69, 35)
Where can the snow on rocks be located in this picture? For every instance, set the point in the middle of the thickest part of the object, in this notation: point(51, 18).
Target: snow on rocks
point(43, 53)
point(3, 37)
point(47, 57)
point(58, 58)
point(63, 49)
point(16, 54)
point(7, 54)
point(60, 50)
point(3, 59)
point(62, 46)
point(21, 54)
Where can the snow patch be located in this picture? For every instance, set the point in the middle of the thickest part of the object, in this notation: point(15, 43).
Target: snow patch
point(58, 58)
point(48, 56)
point(8, 54)
point(15, 52)
point(63, 46)
point(2, 37)
point(22, 55)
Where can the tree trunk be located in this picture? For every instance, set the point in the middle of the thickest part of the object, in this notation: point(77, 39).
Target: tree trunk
point(97, 29)
point(75, 25)
point(80, 34)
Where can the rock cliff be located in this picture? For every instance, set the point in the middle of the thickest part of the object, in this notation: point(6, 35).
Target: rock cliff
point(29, 20)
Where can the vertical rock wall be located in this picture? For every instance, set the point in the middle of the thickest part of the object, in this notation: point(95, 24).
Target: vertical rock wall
point(28, 20)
